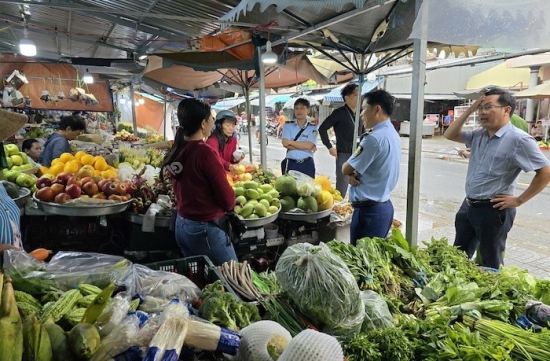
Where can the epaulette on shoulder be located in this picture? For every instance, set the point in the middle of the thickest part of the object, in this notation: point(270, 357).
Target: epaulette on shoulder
point(290, 122)
point(311, 124)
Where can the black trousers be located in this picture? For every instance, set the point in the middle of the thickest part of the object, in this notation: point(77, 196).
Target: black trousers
point(482, 228)
point(305, 166)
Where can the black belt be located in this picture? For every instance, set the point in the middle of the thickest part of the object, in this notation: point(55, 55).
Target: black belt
point(299, 160)
point(367, 203)
point(479, 203)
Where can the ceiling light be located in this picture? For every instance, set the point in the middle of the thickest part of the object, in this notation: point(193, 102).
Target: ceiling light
point(27, 47)
point(88, 78)
point(141, 101)
point(122, 100)
point(269, 57)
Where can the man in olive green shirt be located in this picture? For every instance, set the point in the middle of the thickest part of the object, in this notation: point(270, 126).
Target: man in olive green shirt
point(519, 123)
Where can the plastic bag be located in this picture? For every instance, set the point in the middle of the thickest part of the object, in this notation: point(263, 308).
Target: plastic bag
point(538, 312)
point(119, 340)
point(165, 285)
point(377, 314)
point(305, 186)
point(66, 271)
point(322, 287)
point(112, 315)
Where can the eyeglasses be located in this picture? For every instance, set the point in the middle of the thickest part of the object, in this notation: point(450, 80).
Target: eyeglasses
point(489, 107)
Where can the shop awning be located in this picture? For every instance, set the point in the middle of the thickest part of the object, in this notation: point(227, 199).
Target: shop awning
point(335, 96)
point(540, 91)
point(500, 75)
point(429, 97)
point(272, 99)
point(224, 104)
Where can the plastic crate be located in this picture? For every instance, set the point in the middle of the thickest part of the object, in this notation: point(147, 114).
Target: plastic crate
point(198, 269)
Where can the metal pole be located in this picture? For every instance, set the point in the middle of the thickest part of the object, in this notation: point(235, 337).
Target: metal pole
point(533, 81)
point(415, 137)
point(248, 119)
point(134, 119)
point(358, 106)
point(164, 117)
point(263, 133)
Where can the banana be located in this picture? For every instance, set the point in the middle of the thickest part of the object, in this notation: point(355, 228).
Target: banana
point(11, 327)
point(36, 343)
point(98, 305)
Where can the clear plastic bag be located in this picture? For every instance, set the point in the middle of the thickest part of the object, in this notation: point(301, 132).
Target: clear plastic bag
point(164, 285)
point(112, 316)
point(322, 287)
point(377, 314)
point(66, 270)
point(305, 186)
point(122, 337)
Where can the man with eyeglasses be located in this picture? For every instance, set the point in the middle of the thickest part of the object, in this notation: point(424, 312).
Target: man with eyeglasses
point(499, 152)
point(300, 141)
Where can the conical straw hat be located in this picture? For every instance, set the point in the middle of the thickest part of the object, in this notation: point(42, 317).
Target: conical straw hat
point(10, 123)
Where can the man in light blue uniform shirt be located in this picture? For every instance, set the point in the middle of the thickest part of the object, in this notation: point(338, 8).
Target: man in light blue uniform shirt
point(499, 152)
point(374, 169)
point(300, 140)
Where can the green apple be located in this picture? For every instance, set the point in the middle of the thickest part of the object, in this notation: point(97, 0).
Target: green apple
point(16, 167)
point(34, 189)
point(16, 159)
point(24, 180)
point(10, 162)
point(12, 149)
point(11, 175)
point(24, 156)
point(26, 166)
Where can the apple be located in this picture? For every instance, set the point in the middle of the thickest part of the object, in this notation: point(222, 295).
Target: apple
point(16, 159)
point(102, 182)
point(96, 178)
point(11, 175)
point(16, 168)
point(62, 198)
point(86, 180)
point(43, 182)
point(25, 180)
point(45, 194)
point(84, 196)
point(86, 171)
point(26, 166)
point(115, 197)
point(10, 162)
point(109, 188)
point(99, 196)
point(73, 190)
point(63, 177)
point(131, 189)
point(11, 149)
point(126, 197)
point(121, 189)
point(49, 176)
point(90, 188)
point(57, 188)
point(75, 180)
point(24, 156)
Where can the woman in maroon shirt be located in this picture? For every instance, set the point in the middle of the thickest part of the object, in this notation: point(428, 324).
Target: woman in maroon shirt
point(200, 185)
point(223, 138)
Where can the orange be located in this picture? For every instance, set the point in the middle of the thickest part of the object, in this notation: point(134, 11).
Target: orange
point(56, 169)
point(100, 164)
point(71, 167)
point(79, 154)
point(57, 160)
point(87, 159)
point(97, 173)
point(42, 170)
point(98, 157)
point(66, 157)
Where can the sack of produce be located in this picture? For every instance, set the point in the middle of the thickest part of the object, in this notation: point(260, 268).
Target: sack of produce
point(322, 287)
point(164, 285)
point(377, 314)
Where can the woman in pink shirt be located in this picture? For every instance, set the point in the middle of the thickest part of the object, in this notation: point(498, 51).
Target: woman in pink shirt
point(223, 139)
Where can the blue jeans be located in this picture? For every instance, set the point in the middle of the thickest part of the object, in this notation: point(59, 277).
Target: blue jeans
point(483, 229)
point(204, 238)
point(371, 221)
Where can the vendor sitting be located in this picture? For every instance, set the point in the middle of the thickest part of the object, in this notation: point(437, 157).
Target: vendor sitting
point(538, 131)
point(33, 149)
point(223, 141)
point(57, 143)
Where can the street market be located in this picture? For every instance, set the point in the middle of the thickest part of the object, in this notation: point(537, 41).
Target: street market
point(156, 204)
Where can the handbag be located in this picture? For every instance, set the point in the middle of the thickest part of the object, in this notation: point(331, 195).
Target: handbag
point(232, 225)
point(284, 162)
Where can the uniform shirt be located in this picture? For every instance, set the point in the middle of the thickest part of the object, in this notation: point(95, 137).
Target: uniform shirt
point(226, 156)
point(376, 160)
point(54, 146)
point(495, 162)
point(10, 232)
point(291, 129)
point(342, 120)
point(200, 185)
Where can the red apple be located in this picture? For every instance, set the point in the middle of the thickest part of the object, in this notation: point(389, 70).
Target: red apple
point(131, 189)
point(43, 182)
point(90, 188)
point(126, 197)
point(121, 189)
point(57, 188)
point(73, 190)
point(45, 194)
point(109, 188)
point(86, 180)
point(75, 180)
point(115, 197)
point(62, 198)
point(102, 182)
point(63, 177)
point(99, 196)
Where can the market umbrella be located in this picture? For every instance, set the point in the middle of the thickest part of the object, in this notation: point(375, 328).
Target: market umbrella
point(540, 91)
point(290, 103)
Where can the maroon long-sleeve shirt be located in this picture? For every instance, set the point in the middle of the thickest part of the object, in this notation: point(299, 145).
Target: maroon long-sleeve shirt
point(227, 155)
point(201, 187)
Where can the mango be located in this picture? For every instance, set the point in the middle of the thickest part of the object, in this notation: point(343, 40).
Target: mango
point(247, 210)
point(252, 194)
point(260, 210)
point(266, 187)
point(252, 201)
point(253, 216)
point(264, 202)
point(275, 202)
point(238, 191)
point(272, 209)
point(267, 197)
point(238, 209)
point(241, 200)
point(273, 193)
point(250, 185)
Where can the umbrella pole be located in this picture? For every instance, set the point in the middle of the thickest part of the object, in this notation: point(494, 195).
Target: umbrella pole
point(263, 133)
point(248, 120)
point(358, 106)
point(134, 118)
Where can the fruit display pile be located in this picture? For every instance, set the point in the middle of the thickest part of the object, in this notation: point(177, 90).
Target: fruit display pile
point(125, 136)
point(38, 133)
point(17, 163)
point(81, 176)
point(309, 197)
point(137, 158)
point(240, 172)
point(255, 200)
point(144, 195)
